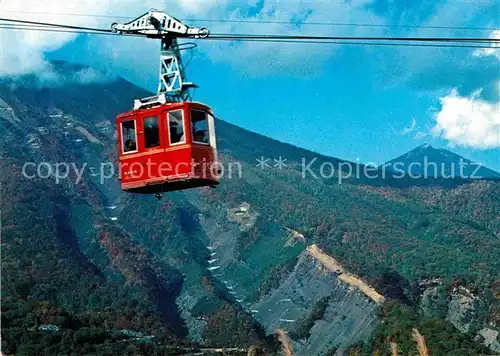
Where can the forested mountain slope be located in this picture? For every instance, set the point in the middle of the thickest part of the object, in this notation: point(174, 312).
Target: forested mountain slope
point(99, 263)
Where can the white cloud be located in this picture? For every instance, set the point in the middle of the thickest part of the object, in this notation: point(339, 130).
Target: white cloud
point(90, 75)
point(483, 52)
point(468, 121)
point(303, 60)
point(413, 129)
point(409, 129)
point(419, 135)
point(49, 78)
point(25, 51)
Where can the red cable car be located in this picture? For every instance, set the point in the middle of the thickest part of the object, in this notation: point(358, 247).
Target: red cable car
point(167, 142)
point(167, 147)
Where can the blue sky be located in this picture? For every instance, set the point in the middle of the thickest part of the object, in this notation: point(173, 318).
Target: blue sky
point(351, 110)
point(367, 103)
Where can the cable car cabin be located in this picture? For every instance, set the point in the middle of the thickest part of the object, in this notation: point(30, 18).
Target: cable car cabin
point(167, 147)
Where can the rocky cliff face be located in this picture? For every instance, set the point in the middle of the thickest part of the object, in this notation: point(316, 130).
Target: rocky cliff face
point(347, 315)
point(490, 338)
point(321, 306)
point(462, 309)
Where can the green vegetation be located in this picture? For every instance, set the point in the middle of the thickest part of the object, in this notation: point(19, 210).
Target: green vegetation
point(397, 323)
point(372, 230)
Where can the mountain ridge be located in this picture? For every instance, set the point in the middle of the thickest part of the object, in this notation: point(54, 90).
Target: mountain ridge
point(256, 141)
point(440, 163)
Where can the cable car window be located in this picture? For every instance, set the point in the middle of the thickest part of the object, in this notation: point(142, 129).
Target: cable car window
point(129, 136)
point(176, 127)
point(151, 132)
point(199, 125)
